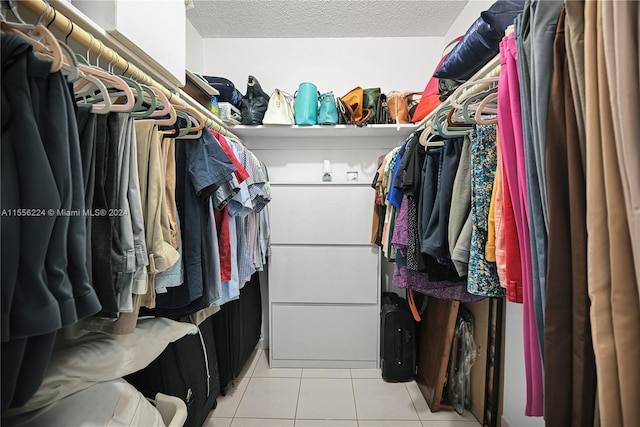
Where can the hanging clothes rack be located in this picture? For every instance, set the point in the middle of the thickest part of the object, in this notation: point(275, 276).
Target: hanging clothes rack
point(60, 22)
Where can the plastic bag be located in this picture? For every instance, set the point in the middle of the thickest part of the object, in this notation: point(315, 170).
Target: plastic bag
point(460, 383)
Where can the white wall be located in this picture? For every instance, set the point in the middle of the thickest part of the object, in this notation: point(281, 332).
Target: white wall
point(515, 394)
point(149, 27)
point(468, 16)
point(337, 64)
point(195, 49)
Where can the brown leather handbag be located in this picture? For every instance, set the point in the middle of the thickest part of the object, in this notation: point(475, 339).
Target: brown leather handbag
point(399, 105)
point(350, 107)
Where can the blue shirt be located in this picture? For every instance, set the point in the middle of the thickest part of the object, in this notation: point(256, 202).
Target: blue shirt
point(201, 168)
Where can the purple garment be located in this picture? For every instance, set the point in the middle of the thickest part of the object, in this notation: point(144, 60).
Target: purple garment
point(404, 277)
point(400, 238)
point(419, 282)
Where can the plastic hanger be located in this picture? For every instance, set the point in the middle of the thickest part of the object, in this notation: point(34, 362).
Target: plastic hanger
point(82, 59)
point(138, 94)
point(470, 105)
point(89, 87)
point(426, 139)
point(437, 120)
point(153, 102)
point(110, 80)
point(486, 111)
point(448, 131)
point(22, 25)
point(193, 113)
point(442, 127)
point(459, 94)
point(480, 119)
point(194, 126)
point(184, 131)
point(194, 117)
point(433, 119)
point(103, 104)
point(464, 115)
point(167, 110)
point(162, 103)
point(70, 63)
point(38, 36)
point(52, 48)
point(452, 122)
point(95, 88)
point(138, 91)
point(176, 131)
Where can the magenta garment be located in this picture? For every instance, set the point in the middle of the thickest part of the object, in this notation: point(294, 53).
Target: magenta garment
point(512, 148)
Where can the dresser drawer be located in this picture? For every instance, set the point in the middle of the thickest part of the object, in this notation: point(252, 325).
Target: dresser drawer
point(324, 274)
point(321, 214)
point(324, 332)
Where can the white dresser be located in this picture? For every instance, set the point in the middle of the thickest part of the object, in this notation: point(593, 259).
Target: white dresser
point(324, 274)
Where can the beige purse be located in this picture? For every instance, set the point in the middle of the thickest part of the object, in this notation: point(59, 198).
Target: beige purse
point(280, 109)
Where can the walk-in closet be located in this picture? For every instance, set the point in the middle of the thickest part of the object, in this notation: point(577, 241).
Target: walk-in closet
point(341, 213)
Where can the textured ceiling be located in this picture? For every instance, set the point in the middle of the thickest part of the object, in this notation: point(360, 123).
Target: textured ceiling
point(323, 18)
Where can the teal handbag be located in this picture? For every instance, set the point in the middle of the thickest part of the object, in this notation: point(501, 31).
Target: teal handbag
point(306, 105)
point(328, 111)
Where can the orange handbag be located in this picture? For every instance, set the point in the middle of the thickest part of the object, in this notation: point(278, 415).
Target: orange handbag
point(350, 107)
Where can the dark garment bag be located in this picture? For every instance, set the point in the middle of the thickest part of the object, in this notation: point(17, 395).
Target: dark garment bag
point(237, 328)
point(397, 339)
point(186, 369)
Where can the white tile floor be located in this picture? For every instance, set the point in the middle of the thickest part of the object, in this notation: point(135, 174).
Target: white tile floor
point(264, 397)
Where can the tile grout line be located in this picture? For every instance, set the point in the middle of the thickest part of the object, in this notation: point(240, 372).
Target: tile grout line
point(246, 388)
point(413, 403)
point(353, 390)
point(240, 401)
point(255, 365)
point(295, 415)
point(355, 405)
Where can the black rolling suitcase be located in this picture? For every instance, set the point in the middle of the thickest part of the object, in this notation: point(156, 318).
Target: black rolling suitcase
point(237, 328)
point(186, 369)
point(397, 339)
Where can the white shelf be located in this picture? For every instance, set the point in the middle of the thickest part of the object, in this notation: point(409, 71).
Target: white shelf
point(316, 131)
